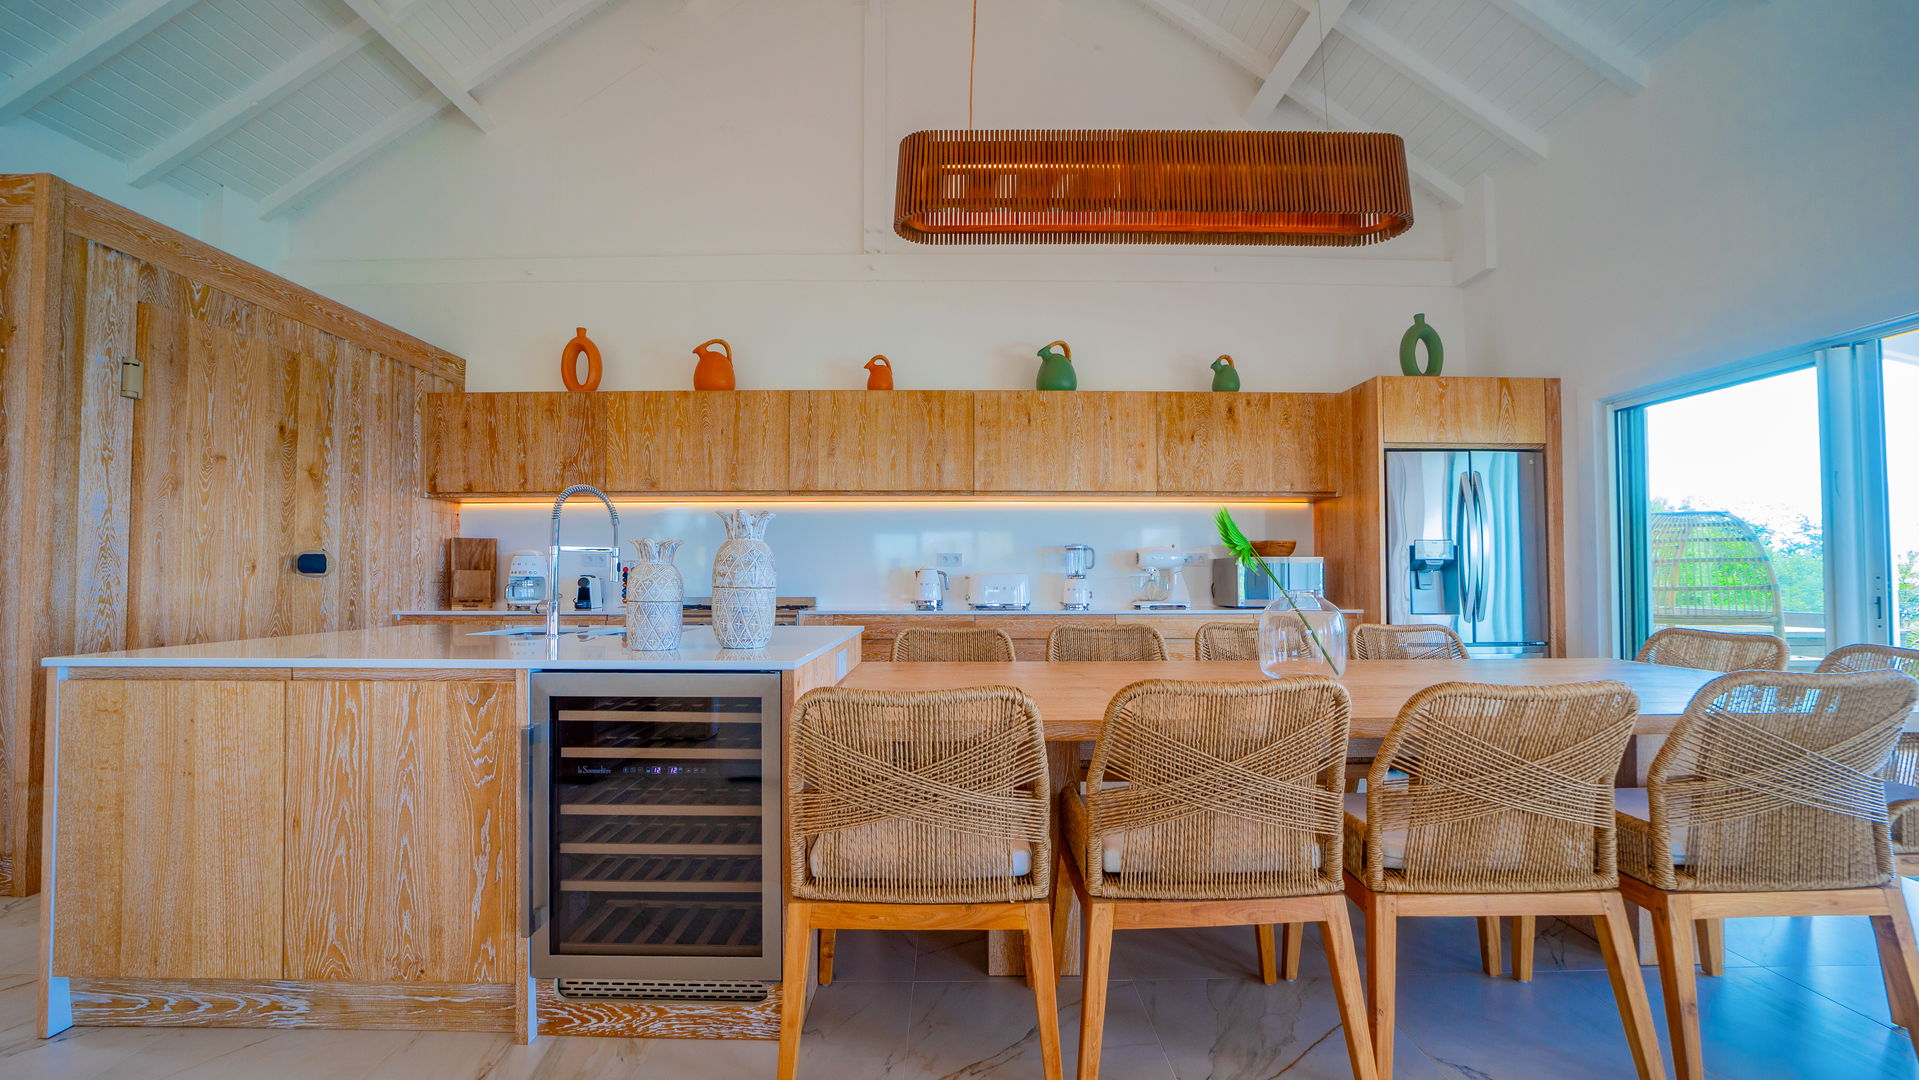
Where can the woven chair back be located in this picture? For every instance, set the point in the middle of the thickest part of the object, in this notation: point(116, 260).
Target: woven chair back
point(1377, 641)
point(1770, 782)
point(981, 644)
point(1125, 641)
point(1207, 790)
point(1506, 789)
point(1904, 766)
point(1226, 641)
point(1714, 650)
point(934, 796)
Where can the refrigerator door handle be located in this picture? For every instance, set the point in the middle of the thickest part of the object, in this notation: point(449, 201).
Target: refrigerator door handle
point(1482, 545)
point(1468, 557)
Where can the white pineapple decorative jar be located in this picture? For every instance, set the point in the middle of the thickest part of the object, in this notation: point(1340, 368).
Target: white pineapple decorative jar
point(655, 597)
point(743, 582)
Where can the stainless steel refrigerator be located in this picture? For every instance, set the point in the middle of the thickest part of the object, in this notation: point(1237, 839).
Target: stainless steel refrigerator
point(1466, 546)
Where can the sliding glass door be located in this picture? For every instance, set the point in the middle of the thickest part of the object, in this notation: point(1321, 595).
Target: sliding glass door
point(1899, 375)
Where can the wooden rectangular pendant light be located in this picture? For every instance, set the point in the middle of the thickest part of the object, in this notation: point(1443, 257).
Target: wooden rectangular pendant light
point(1333, 188)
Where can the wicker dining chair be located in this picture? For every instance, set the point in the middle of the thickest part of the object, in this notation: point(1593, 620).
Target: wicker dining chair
point(1122, 641)
point(1226, 641)
point(1766, 800)
point(1504, 808)
point(1714, 650)
point(1213, 804)
point(918, 810)
point(1419, 641)
point(1902, 774)
point(976, 644)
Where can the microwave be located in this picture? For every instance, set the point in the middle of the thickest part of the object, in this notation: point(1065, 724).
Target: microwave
point(1237, 586)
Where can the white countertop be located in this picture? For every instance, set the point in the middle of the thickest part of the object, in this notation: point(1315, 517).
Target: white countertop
point(1036, 609)
point(453, 647)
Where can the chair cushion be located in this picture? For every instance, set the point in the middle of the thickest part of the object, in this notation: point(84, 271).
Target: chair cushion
point(1636, 802)
point(844, 852)
point(1392, 844)
point(1113, 849)
point(1903, 801)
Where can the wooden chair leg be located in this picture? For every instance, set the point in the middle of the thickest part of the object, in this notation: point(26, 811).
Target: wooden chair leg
point(1711, 934)
point(1336, 935)
point(799, 942)
point(1899, 962)
point(1268, 958)
point(1673, 937)
point(1629, 989)
point(1525, 945)
point(1292, 942)
point(1039, 967)
point(1063, 893)
point(1489, 944)
point(828, 939)
point(1382, 973)
point(1096, 958)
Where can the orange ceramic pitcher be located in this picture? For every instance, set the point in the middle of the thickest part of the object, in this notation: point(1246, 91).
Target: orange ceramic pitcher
point(715, 369)
point(880, 373)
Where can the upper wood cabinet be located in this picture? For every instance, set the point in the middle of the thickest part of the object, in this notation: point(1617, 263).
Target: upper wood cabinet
point(1233, 444)
point(694, 441)
point(1436, 410)
point(511, 444)
point(894, 441)
point(1064, 441)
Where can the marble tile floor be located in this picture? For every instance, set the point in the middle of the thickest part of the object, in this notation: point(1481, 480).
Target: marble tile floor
point(1801, 999)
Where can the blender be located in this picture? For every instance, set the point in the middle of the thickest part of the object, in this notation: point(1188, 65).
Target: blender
point(1077, 594)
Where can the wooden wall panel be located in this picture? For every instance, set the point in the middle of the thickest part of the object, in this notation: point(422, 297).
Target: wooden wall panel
point(696, 441)
point(895, 440)
point(1349, 531)
point(401, 866)
point(512, 443)
point(1437, 410)
point(1082, 441)
point(170, 830)
point(15, 244)
point(1246, 444)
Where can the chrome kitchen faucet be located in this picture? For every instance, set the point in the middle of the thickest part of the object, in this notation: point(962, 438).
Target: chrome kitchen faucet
point(553, 552)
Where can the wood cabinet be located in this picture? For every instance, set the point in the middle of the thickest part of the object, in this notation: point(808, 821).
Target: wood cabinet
point(893, 441)
point(1441, 411)
point(1247, 444)
point(1057, 441)
point(691, 441)
point(168, 836)
point(510, 444)
point(400, 859)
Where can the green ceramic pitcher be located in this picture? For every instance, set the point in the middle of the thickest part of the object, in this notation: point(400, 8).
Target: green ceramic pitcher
point(1225, 375)
point(1056, 368)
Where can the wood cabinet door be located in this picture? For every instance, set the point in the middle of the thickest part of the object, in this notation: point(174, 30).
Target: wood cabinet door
point(882, 440)
point(168, 811)
point(402, 830)
point(1441, 411)
point(1064, 441)
point(696, 441)
point(1256, 444)
point(513, 444)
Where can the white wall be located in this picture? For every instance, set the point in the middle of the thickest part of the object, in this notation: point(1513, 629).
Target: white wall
point(1758, 195)
point(675, 172)
point(230, 223)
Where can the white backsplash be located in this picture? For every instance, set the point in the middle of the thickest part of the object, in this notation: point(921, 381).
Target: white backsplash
point(857, 557)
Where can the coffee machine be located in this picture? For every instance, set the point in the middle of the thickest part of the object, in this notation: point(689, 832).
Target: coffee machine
point(526, 581)
point(1077, 594)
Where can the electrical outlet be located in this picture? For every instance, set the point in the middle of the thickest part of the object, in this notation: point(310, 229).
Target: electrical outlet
point(946, 560)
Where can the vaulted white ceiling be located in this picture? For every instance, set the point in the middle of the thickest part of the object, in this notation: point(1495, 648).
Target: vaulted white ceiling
point(277, 99)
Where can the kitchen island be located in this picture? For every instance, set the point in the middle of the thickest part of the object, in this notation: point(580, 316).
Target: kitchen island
point(329, 830)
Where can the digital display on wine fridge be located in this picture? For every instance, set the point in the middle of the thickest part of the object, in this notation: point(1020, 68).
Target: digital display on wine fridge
point(658, 853)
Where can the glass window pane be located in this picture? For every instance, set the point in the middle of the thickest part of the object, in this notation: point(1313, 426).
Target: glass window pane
point(1734, 528)
point(1901, 379)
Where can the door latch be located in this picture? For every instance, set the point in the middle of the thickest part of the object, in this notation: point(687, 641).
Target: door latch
point(133, 379)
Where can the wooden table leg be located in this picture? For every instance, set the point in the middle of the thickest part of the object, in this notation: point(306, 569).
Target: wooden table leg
point(1005, 952)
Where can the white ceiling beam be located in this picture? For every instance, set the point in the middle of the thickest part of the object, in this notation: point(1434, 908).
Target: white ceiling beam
point(1293, 60)
point(341, 161)
point(1214, 35)
point(93, 46)
point(275, 85)
point(1336, 115)
point(1608, 58)
point(1443, 84)
point(421, 59)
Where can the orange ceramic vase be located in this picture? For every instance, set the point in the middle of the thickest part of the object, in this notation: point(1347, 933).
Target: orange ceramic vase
point(570, 363)
point(715, 369)
point(879, 373)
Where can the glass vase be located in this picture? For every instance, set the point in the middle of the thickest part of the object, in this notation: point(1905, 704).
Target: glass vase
point(1307, 640)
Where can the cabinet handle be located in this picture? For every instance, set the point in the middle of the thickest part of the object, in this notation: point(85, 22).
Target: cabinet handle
point(535, 842)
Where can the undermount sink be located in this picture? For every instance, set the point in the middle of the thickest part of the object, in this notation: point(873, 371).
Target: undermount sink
point(540, 631)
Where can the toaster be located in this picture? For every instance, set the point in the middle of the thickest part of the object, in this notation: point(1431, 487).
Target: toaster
point(999, 592)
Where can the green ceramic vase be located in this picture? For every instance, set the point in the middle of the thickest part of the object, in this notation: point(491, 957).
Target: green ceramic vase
point(1056, 368)
point(1225, 375)
point(1409, 349)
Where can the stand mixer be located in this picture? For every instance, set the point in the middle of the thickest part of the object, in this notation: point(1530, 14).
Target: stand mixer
point(1165, 586)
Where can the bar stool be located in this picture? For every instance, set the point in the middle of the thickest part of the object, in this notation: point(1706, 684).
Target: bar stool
point(1902, 775)
point(1505, 809)
point(1765, 800)
point(1213, 804)
point(1714, 650)
point(930, 644)
point(876, 783)
point(1122, 641)
point(1226, 641)
point(1419, 641)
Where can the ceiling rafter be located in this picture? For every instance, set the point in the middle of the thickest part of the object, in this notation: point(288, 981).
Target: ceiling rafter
point(92, 47)
point(421, 59)
point(1435, 80)
point(192, 140)
point(1294, 58)
point(1608, 58)
point(1333, 113)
